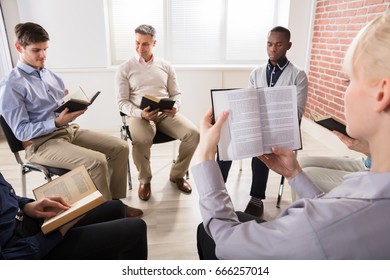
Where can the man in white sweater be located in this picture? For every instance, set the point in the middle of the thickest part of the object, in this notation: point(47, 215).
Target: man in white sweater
point(147, 74)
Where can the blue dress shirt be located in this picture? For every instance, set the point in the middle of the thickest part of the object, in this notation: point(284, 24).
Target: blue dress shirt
point(28, 98)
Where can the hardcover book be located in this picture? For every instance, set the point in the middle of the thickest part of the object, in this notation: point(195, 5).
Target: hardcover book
point(78, 190)
point(330, 123)
point(156, 103)
point(76, 101)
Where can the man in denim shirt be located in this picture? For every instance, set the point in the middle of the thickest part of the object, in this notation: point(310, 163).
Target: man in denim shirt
point(28, 97)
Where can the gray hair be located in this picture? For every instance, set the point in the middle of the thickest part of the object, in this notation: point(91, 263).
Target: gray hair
point(145, 29)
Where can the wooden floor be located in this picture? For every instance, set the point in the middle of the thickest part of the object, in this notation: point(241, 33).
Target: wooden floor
point(172, 216)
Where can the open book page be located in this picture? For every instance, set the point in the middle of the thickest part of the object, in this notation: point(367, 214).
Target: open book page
point(258, 120)
point(279, 118)
point(78, 94)
point(78, 190)
point(241, 135)
point(73, 186)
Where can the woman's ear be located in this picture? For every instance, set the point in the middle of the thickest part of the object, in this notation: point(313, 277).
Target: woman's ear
point(382, 98)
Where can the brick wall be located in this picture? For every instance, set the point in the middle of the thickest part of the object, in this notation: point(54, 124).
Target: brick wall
point(336, 23)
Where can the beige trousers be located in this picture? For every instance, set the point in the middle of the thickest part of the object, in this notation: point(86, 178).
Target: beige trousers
point(329, 172)
point(104, 156)
point(178, 127)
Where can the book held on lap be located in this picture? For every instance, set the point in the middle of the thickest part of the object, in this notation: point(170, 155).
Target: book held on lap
point(329, 123)
point(76, 101)
point(156, 103)
point(259, 119)
point(78, 190)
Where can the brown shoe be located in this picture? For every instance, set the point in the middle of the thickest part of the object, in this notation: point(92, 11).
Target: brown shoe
point(182, 184)
point(132, 212)
point(144, 191)
point(255, 210)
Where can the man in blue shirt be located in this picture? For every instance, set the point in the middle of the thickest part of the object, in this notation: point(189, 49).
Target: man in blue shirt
point(28, 97)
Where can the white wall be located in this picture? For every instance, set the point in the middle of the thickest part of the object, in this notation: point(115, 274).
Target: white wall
point(195, 85)
point(79, 53)
point(5, 59)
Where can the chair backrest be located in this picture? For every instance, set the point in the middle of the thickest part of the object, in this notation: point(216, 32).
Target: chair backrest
point(13, 142)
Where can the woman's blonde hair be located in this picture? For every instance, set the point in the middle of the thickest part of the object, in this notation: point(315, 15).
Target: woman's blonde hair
point(369, 52)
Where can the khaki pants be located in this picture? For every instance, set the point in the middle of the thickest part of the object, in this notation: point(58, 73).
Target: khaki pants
point(178, 127)
point(329, 172)
point(105, 157)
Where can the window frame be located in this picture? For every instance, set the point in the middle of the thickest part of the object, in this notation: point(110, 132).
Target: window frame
point(167, 38)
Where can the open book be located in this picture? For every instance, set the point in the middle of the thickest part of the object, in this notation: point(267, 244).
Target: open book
point(156, 103)
point(76, 101)
point(329, 123)
point(78, 190)
point(259, 119)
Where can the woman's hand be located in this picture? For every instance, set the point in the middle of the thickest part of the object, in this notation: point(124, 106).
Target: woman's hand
point(283, 162)
point(210, 134)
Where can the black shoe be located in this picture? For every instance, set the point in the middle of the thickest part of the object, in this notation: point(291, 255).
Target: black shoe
point(255, 210)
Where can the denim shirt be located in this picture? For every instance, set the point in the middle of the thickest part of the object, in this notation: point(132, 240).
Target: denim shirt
point(28, 98)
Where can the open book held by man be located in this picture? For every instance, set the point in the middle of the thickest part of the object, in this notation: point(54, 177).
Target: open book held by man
point(78, 190)
point(76, 101)
point(156, 103)
point(259, 119)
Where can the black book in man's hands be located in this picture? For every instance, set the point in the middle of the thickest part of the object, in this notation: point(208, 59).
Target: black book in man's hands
point(76, 101)
point(330, 123)
point(156, 103)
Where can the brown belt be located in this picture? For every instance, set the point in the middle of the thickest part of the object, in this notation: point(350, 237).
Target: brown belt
point(25, 144)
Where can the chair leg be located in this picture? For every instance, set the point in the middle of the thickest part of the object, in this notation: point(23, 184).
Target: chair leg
point(280, 192)
point(281, 187)
point(125, 135)
point(174, 151)
point(129, 182)
point(24, 187)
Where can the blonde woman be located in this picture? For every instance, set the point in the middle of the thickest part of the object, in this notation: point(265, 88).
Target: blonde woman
point(349, 222)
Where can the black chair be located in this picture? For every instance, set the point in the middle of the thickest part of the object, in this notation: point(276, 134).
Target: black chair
point(159, 138)
point(26, 167)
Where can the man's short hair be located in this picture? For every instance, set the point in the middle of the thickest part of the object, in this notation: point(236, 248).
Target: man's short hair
point(29, 33)
point(282, 29)
point(146, 29)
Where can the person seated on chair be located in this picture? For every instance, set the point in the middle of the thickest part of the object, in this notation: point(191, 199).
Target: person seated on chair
point(328, 172)
point(278, 71)
point(349, 222)
point(28, 97)
point(102, 233)
point(147, 74)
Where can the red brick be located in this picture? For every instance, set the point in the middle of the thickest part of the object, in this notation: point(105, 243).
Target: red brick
point(336, 24)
